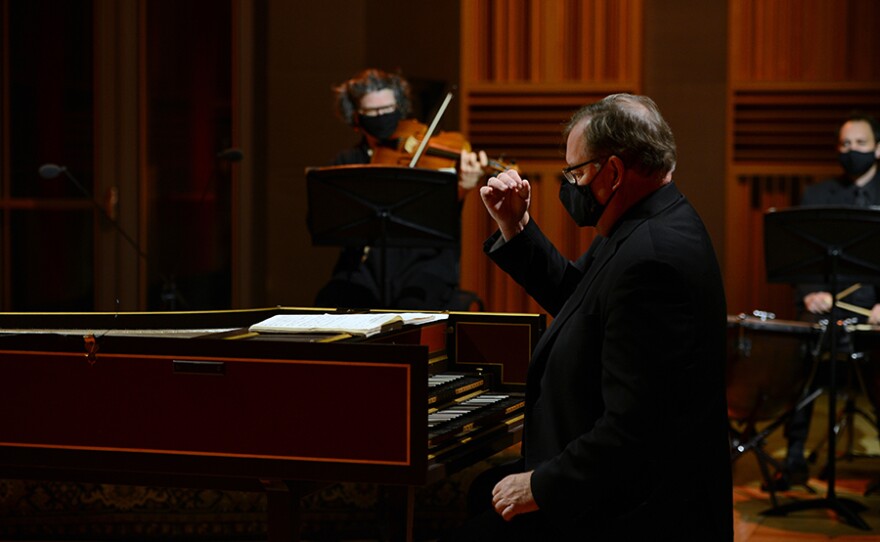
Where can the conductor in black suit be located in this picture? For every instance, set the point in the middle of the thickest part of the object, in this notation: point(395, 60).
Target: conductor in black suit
point(626, 434)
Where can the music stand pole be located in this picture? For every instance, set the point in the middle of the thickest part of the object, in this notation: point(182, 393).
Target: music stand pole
point(834, 258)
point(383, 261)
point(848, 509)
point(832, 381)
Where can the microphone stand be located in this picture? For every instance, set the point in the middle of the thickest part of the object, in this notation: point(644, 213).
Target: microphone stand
point(170, 294)
point(50, 171)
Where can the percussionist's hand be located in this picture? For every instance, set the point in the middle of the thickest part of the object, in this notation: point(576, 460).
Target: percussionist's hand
point(818, 302)
point(875, 315)
point(507, 198)
point(513, 496)
point(470, 168)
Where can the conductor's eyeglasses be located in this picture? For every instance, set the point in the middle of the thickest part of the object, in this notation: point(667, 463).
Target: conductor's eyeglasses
point(573, 173)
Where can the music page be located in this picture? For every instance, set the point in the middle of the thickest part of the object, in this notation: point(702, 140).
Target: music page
point(356, 324)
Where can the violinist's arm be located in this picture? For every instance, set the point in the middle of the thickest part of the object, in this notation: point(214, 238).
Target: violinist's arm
point(470, 170)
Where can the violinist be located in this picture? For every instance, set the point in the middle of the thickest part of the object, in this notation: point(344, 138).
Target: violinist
point(374, 103)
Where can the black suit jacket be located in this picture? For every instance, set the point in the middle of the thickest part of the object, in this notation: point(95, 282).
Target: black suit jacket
point(626, 420)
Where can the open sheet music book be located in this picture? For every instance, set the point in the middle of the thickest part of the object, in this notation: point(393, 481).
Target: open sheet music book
point(354, 324)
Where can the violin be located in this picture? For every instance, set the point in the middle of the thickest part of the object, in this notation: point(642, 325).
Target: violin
point(442, 150)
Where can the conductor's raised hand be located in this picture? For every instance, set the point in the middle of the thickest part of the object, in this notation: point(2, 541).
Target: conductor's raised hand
point(507, 198)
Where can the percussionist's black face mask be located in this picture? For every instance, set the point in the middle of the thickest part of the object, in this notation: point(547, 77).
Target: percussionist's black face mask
point(381, 127)
point(856, 163)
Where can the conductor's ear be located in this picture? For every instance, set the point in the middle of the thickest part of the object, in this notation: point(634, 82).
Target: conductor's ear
point(608, 179)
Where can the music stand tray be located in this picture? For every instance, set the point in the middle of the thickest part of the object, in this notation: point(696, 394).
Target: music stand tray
point(383, 206)
point(804, 243)
point(828, 245)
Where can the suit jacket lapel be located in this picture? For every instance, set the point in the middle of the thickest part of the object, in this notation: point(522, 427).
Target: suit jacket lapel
point(604, 254)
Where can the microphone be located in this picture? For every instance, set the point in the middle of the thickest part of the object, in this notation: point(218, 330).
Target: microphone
point(50, 171)
point(230, 155)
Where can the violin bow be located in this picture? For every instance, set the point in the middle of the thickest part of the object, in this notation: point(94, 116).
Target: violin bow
point(430, 132)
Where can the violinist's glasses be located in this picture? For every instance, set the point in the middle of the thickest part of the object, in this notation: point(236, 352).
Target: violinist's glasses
point(572, 174)
point(376, 111)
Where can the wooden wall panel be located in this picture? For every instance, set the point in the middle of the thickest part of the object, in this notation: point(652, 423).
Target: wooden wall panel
point(527, 65)
point(525, 121)
point(547, 42)
point(791, 124)
point(804, 40)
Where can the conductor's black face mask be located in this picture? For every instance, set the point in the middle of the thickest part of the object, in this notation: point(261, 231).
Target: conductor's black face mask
point(580, 203)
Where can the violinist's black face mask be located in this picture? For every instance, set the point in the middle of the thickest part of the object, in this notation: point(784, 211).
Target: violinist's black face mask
point(380, 126)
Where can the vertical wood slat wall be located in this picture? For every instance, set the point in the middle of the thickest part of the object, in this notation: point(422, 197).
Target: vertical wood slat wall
point(527, 65)
point(796, 69)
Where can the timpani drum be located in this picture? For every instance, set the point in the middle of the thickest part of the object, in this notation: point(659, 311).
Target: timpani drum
point(866, 341)
point(769, 365)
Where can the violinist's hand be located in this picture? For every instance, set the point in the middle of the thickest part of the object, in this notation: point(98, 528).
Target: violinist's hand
point(507, 198)
point(470, 168)
point(513, 495)
point(818, 302)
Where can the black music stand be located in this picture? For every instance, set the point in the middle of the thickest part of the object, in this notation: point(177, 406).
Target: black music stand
point(828, 245)
point(383, 206)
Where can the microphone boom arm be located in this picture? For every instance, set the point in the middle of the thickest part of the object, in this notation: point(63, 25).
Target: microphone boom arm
point(50, 171)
